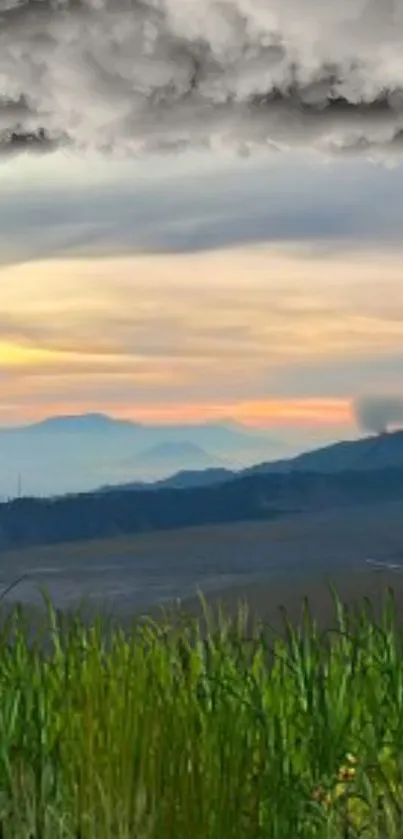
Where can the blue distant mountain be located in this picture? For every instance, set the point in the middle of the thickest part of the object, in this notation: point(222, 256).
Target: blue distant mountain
point(67, 454)
point(73, 424)
point(76, 453)
point(169, 452)
point(369, 454)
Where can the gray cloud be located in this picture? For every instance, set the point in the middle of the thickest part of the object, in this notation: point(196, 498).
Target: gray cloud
point(139, 76)
point(329, 205)
point(379, 413)
point(340, 377)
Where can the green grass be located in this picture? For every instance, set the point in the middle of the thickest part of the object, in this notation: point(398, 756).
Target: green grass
point(169, 733)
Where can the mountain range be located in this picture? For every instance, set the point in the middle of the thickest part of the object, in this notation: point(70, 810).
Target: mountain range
point(372, 453)
point(68, 454)
point(380, 451)
point(360, 473)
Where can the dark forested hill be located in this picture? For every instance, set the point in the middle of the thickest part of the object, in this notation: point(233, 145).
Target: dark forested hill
point(381, 451)
point(27, 521)
point(378, 452)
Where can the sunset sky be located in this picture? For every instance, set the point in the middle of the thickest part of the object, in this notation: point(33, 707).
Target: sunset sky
point(199, 283)
point(157, 300)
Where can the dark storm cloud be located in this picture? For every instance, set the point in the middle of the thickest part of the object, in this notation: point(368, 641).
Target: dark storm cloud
point(162, 75)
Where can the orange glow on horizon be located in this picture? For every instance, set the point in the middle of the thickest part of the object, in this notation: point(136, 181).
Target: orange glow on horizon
point(262, 413)
point(196, 338)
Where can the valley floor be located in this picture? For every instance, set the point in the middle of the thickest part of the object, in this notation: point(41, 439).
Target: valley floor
point(134, 575)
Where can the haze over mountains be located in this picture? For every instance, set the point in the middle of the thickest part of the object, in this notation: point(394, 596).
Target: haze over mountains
point(349, 475)
point(173, 455)
point(369, 454)
point(79, 453)
point(69, 454)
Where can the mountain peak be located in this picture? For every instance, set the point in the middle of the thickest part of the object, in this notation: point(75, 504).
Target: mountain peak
point(168, 450)
point(81, 422)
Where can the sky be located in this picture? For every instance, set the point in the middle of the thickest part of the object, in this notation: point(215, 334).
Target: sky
point(201, 211)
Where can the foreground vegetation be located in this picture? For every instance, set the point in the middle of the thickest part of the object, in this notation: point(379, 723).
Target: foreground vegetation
point(175, 733)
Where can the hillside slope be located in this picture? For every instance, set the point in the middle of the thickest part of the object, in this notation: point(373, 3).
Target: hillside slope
point(254, 497)
point(381, 451)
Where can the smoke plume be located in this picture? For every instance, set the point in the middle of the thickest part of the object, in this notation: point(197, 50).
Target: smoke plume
point(134, 76)
point(378, 414)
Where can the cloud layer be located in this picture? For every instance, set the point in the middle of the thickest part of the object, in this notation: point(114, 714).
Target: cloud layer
point(202, 335)
point(146, 75)
point(223, 204)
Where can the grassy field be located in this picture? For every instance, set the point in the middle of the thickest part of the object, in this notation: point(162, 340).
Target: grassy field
point(240, 734)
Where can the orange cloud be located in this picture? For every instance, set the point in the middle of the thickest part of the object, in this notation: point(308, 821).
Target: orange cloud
point(193, 337)
point(259, 413)
point(295, 411)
